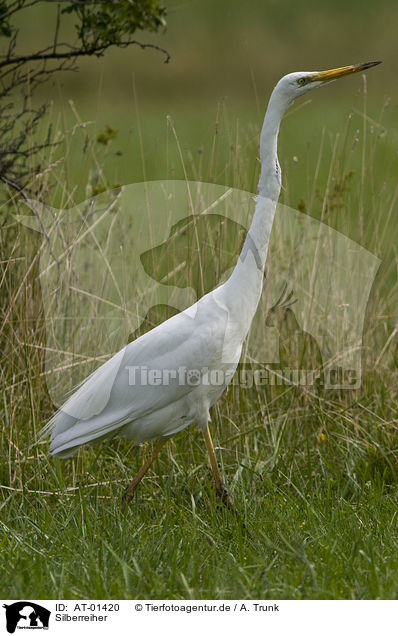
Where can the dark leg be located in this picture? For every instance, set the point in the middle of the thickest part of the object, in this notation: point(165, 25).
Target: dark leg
point(128, 493)
point(221, 490)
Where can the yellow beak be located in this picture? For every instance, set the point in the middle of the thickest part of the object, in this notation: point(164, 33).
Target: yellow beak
point(336, 73)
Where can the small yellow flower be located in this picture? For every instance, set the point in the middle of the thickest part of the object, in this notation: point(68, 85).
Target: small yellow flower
point(246, 500)
point(322, 437)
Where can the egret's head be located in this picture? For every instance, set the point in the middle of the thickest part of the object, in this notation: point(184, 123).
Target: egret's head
point(295, 84)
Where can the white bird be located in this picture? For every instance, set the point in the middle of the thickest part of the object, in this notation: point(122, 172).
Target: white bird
point(170, 377)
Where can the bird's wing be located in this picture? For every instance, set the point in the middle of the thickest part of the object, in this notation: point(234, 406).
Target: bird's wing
point(117, 392)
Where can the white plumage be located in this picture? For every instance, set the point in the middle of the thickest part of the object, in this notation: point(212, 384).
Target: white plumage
point(117, 396)
point(206, 339)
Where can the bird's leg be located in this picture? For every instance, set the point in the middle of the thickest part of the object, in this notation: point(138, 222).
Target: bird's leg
point(128, 493)
point(221, 490)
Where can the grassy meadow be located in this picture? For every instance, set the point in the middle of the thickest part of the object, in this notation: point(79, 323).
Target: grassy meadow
point(313, 473)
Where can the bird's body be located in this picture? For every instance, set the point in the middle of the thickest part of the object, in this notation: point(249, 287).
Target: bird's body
point(149, 388)
point(169, 378)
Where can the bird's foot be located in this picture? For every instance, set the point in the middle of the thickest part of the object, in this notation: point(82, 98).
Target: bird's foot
point(224, 495)
point(128, 494)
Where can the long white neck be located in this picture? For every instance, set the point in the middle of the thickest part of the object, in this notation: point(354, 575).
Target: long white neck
point(269, 184)
point(243, 288)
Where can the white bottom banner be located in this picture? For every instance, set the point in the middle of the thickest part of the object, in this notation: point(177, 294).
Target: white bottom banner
point(143, 616)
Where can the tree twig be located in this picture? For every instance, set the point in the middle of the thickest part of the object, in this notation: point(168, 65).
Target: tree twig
point(94, 50)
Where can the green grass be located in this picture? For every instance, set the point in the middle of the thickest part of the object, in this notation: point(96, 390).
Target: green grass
point(313, 474)
point(317, 518)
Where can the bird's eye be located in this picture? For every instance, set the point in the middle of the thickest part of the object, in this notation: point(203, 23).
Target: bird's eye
point(301, 81)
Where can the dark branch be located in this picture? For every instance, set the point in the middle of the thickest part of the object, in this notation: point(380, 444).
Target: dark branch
point(74, 53)
point(14, 185)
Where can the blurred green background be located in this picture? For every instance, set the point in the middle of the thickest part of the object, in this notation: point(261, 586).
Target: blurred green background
point(225, 59)
point(129, 117)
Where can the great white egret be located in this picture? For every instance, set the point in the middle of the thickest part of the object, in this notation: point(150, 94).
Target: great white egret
point(204, 340)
